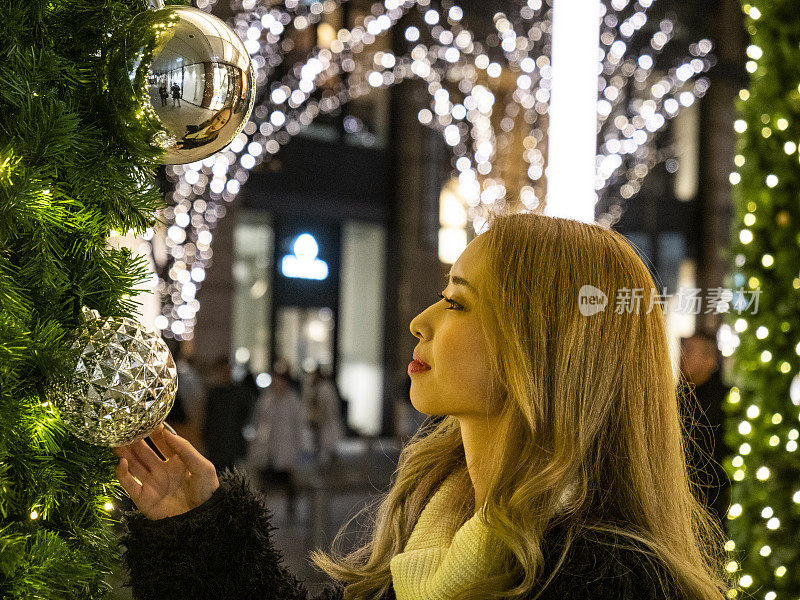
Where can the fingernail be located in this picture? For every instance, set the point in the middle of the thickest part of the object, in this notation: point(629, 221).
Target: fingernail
point(169, 428)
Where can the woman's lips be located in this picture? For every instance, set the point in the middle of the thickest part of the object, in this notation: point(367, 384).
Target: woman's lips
point(417, 367)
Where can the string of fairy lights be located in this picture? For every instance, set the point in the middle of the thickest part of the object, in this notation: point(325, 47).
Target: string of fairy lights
point(488, 98)
point(775, 429)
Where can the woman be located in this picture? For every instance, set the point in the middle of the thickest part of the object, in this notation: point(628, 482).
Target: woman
point(322, 398)
point(563, 429)
point(206, 132)
point(278, 426)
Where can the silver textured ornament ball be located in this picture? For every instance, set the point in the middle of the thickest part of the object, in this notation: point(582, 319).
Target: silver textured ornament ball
point(124, 384)
point(179, 80)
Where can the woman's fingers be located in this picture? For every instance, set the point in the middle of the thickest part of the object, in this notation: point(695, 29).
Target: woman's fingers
point(157, 437)
point(146, 456)
point(194, 461)
point(138, 470)
point(124, 452)
point(131, 485)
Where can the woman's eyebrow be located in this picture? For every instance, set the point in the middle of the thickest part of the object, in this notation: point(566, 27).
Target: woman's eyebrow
point(460, 281)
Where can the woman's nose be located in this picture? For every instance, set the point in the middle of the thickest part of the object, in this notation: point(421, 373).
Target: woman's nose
point(420, 325)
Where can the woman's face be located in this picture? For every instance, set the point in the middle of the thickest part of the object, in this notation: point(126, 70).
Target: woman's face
point(452, 343)
point(219, 120)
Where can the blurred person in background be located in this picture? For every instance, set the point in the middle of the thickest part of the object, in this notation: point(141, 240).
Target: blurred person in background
point(243, 374)
point(187, 412)
point(701, 374)
point(323, 400)
point(277, 427)
point(226, 412)
point(248, 382)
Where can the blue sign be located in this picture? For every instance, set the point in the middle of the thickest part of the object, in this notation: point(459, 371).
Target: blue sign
point(304, 264)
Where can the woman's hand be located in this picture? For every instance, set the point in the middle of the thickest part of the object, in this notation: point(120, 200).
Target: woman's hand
point(165, 488)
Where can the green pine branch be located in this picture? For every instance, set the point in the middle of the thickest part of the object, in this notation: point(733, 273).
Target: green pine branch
point(66, 182)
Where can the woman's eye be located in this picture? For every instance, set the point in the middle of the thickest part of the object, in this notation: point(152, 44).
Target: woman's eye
point(453, 304)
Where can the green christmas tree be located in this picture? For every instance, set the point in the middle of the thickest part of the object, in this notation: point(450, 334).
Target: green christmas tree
point(764, 517)
point(65, 182)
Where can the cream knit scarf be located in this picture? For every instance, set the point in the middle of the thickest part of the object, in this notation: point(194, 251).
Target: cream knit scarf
point(441, 558)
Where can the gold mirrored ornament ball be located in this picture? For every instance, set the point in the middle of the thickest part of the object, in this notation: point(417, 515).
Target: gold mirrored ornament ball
point(179, 81)
point(124, 384)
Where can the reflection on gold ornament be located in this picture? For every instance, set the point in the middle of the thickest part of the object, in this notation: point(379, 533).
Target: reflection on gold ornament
point(180, 82)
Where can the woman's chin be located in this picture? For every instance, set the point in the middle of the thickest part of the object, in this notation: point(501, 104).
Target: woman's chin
point(426, 408)
point(417, 403)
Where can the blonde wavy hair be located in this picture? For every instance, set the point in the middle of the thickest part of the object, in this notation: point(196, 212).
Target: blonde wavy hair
point(590, 412)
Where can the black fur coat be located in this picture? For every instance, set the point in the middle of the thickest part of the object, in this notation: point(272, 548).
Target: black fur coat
point(223, 550)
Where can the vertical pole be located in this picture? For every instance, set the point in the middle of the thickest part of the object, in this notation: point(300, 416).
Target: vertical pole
point(572, 137)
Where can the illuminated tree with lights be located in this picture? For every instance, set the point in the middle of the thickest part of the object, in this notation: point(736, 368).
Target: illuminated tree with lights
point(488, 96)
point(764, 518)
point(64, 185)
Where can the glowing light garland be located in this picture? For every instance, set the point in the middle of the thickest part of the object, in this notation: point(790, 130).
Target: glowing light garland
point(493, 116)
point(764, 347)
